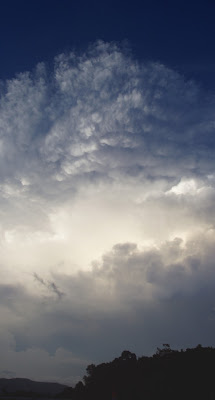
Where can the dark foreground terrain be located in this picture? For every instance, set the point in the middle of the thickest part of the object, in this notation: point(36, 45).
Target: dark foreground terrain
point(169, 374)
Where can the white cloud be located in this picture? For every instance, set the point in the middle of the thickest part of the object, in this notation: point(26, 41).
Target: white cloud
point(107, 198)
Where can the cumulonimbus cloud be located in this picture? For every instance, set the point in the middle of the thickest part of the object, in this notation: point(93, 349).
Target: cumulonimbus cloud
point(106, 191)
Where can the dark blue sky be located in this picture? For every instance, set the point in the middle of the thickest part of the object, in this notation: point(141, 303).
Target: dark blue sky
point(179, 34)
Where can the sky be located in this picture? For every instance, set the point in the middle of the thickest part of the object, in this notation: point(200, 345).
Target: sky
point(107, 182)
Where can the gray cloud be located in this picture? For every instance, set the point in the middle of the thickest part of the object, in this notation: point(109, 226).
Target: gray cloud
point(131, 298)
point(107, 204)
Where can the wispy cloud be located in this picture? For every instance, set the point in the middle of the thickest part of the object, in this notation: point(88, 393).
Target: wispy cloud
point(51, 286)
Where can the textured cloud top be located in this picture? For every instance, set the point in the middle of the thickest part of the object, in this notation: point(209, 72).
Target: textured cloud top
point(94, 112)
point(107, 196)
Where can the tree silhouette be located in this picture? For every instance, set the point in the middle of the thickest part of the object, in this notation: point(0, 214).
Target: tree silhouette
point(168, 374)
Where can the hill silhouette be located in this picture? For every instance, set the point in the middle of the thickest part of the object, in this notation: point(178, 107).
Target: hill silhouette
point(168, 374)
point(19, 387)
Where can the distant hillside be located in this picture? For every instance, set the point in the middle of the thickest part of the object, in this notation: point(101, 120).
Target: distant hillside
point(20, 385)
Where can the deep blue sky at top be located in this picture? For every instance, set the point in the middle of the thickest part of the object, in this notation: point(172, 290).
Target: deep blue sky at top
point(177, 33)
